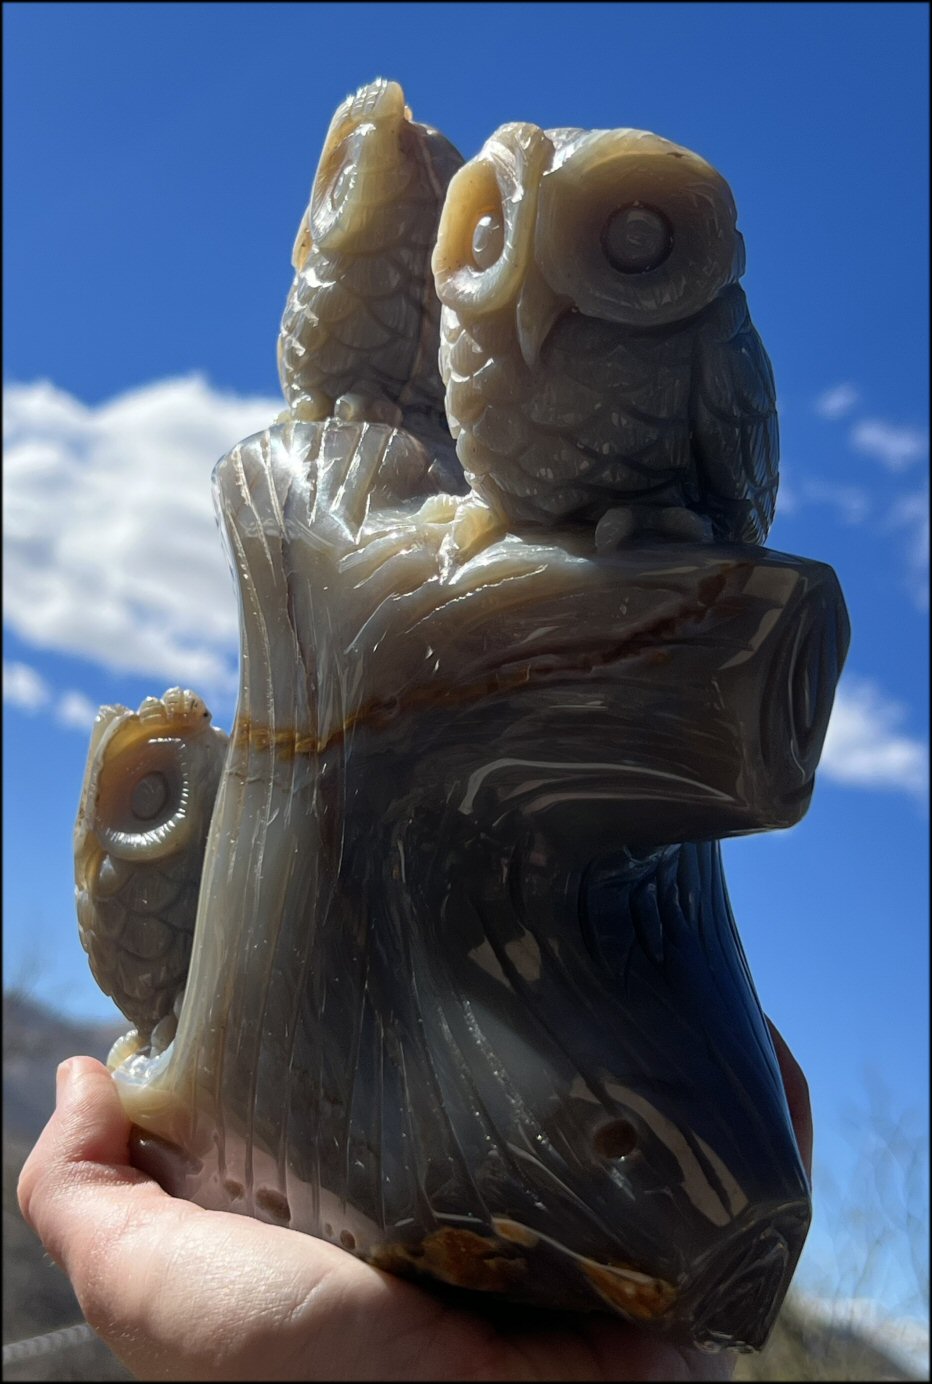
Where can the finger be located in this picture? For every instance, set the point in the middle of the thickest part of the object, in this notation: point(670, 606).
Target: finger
point(797, 1096)
point(87, 1129)
point(178, 1292)
point(147, 1278)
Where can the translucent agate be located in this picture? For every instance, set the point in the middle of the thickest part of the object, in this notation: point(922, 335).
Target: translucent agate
point(465, 994)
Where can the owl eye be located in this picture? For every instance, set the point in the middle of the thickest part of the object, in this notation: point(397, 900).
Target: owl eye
point(488, 240)
point(144, 787)
point(637, 239)
point(486, 231)
point(143, 808)
point(149, 796)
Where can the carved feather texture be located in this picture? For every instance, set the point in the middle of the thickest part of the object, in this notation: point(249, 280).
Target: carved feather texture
point(139, 944)
point(362, 316)
point(734, 417)
point(683, 417)
point(149, 789)
point(561, 415)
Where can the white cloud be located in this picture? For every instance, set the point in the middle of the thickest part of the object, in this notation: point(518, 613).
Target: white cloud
point(851, 502)
point(896, 448)
point(111, 548)
point(24, 687)
point(787, 496)
point(836, 402)
point(75, 710)
point(910, 513)
point(27, 689)
point(865, 748)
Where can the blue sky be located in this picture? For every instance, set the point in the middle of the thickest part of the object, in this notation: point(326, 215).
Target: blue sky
point(157, 159)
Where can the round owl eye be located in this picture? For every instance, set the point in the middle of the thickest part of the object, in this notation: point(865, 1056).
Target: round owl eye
point(143, 806)
point(149, 796)
point(488, 240)
point(637, 239)
point(143, 786)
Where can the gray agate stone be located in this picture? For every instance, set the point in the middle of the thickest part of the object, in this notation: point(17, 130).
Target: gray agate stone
point(462, 990)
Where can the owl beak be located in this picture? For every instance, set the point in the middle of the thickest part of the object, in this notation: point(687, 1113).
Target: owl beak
point(538, 308)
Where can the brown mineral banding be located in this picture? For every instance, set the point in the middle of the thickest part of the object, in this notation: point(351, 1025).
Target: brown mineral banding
point(635, 1294)
point(460, 1257)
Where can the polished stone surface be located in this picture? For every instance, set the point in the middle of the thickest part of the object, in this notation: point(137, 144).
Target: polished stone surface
point(465, 994)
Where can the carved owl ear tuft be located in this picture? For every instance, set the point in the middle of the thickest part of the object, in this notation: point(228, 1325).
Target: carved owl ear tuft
point(636, 229)
point(485, 237)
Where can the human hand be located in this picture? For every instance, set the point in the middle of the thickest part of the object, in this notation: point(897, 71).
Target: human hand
point(178, 1292)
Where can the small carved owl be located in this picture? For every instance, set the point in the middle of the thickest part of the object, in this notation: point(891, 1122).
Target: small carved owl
point(360, 333)
point(599, 360)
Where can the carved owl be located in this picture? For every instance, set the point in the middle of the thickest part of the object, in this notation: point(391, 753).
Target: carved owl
point(360, 332)
point(599, 360)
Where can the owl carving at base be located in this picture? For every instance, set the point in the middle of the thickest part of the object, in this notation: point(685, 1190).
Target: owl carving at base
point(601, 367)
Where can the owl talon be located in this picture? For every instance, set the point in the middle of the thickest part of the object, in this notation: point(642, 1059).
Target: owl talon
point(474, 527)
point(614, 528)
point(366, 408)
point(617, 526)
point(684, 524)
point(311, 408)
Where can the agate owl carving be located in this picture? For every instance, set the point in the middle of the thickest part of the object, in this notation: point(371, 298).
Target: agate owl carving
point(599, 360)
point(360, 332)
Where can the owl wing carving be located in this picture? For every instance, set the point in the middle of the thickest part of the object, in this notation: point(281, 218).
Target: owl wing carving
point(733, 422)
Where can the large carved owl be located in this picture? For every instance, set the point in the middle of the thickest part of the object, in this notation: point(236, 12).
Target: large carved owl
point(360, 332)
point(599, 360)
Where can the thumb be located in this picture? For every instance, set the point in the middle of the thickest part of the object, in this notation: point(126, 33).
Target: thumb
point(797, 1095)
point(85, 1142)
